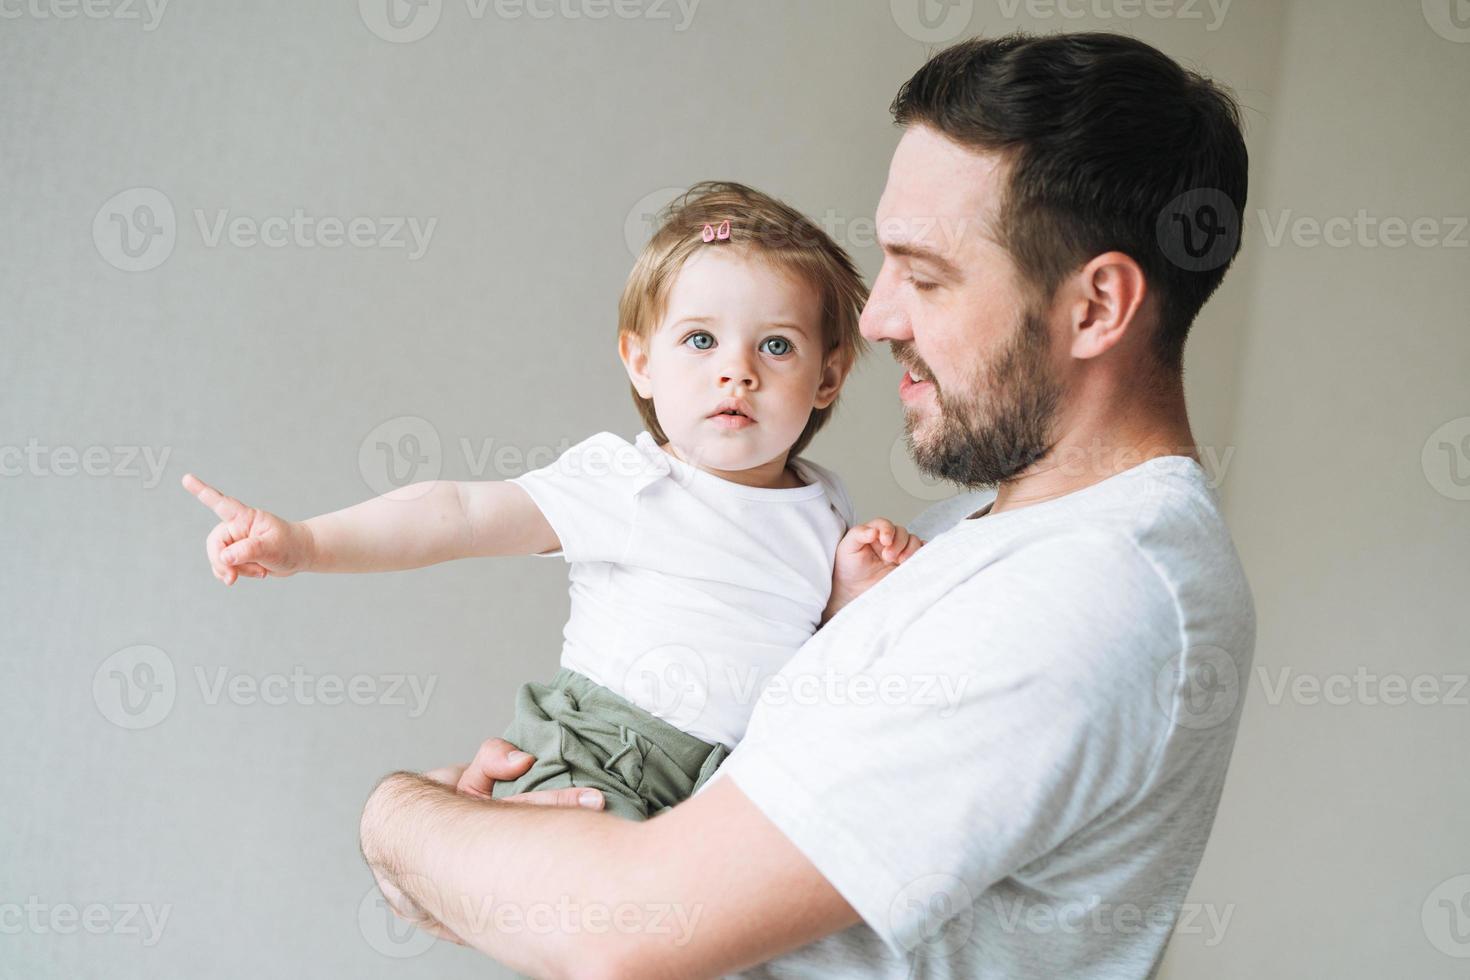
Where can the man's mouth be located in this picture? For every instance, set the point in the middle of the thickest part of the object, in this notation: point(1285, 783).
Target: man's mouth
point(914, 381)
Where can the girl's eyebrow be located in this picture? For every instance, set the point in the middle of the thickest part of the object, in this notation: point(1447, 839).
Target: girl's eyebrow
point(777, 324)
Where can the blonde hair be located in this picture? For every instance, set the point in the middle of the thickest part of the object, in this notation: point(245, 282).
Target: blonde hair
point(760, 226)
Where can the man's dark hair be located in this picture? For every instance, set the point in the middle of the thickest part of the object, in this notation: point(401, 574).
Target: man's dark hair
point(1103, 135)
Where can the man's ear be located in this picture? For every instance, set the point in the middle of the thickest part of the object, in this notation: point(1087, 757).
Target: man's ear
point(1105, 298)
point(834, 372)
point(635, 360)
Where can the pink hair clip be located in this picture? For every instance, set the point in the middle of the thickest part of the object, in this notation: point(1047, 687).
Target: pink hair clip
point(723, 234)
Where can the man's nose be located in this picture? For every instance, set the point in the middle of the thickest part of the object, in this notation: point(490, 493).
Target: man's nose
point(883, 317)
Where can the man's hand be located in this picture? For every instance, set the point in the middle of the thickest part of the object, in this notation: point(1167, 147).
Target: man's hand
point(496, 760)
point(867, 553)
point(248, 541)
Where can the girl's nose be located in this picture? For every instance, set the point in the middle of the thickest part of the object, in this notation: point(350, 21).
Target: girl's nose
point(738, 370)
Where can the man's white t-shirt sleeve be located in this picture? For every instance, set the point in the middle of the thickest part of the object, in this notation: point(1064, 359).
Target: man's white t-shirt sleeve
point(589, 496)
point(1008, 725)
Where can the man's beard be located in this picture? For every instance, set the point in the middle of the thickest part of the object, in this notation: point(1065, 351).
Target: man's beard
point(1001, 425)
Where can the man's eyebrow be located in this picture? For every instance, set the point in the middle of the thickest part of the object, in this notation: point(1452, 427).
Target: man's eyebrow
point(924, 254)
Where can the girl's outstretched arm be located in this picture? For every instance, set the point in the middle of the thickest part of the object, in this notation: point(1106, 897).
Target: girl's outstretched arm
point(411, 527)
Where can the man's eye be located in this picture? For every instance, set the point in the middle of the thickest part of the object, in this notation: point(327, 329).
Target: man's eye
point(701, 340)
point(921, 285)
point(778, 346)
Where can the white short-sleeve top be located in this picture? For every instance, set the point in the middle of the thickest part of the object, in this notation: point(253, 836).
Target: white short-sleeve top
point(688, 591)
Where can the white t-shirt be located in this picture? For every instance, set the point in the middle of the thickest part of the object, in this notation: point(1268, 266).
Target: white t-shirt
point(1007, 755)
point(688, 591)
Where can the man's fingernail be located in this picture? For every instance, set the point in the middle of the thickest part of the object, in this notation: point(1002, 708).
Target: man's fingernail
point(518, 756)
point(590, 798)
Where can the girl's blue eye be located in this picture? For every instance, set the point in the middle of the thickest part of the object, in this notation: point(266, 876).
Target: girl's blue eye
point(698, 336)
point(783, 346)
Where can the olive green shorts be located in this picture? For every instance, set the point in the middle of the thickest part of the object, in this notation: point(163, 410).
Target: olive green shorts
point(583, 734)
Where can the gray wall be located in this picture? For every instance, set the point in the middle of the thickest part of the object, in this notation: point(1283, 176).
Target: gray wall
point(535, 146)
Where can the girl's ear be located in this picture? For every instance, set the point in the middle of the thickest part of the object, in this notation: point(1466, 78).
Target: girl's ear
point(635, 360)
point(834, 371)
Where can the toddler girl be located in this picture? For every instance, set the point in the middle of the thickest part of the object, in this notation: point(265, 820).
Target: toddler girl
point(702, 554)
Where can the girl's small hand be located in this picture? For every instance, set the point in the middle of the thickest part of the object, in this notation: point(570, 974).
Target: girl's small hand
point(867, 553)
point(248, 541)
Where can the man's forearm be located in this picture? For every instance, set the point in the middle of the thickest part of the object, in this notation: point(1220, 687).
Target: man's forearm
point(708, 888)
point(536, 888)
